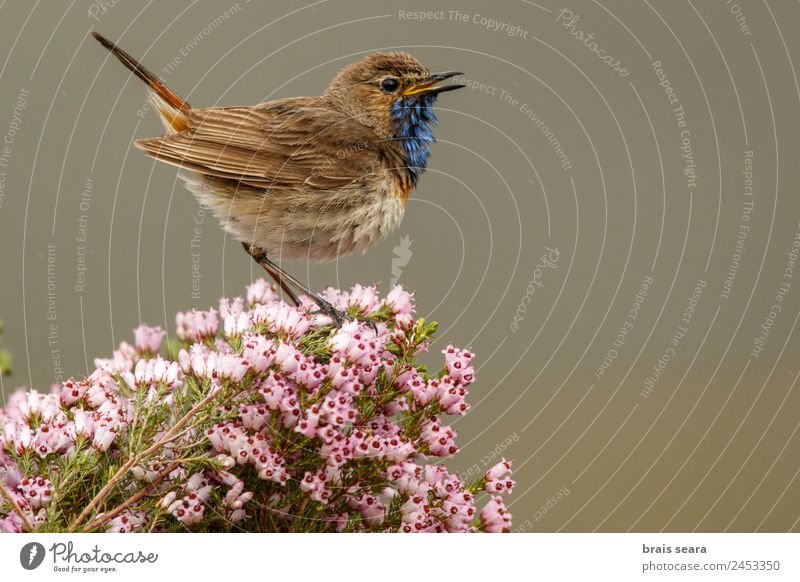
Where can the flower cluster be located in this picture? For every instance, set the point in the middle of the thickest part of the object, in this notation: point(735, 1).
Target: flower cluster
point(260, 416)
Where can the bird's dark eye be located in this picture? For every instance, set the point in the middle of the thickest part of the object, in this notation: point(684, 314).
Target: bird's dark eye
point(389, 85)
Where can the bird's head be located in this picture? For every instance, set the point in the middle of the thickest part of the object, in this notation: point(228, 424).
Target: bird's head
point(393, 93)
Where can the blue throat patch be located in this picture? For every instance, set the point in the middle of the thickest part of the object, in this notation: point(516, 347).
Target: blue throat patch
point(414, 118)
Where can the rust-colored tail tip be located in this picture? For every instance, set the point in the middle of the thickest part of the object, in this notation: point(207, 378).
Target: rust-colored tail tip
point(140, 71)
point(102, 40)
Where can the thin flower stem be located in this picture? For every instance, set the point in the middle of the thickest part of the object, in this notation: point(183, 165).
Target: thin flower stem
point(187, 430)
point(178, 425)
point(299, 515)
point(133, 461)
point(109, 515)
point(17, 509)
point(103, 493)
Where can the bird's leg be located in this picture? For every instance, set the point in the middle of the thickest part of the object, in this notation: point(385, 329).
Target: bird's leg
point(273, 272)
point(284, 279)
point(283, 284)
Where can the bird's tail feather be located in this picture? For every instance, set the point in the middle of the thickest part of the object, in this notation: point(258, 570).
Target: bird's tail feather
point(173, 110)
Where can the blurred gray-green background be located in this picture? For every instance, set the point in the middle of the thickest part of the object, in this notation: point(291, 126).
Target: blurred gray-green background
point(610, 220)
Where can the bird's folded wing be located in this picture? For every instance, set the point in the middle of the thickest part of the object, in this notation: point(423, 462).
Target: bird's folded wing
point(292, 143)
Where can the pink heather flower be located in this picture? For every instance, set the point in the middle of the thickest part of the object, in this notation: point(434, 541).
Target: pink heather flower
point(338, 408)
point(335, 297)
point(235, 320)
point(309, 423)
point(147, 340)
point(235, 499)
point(106, 428)
point(344, 377)
point(143, 474)
point(289, 407)
point(407, 380)
point(205, 363)
point(457, 365)
point(270, 467)
point(370, 507)
point(26, 405)
point(288, 357)
point(198, 360)
point(103, 437)
point(495, 517)
point(357, 343)
point(19, 436)
point(404, 471)
point(460, 511)
point(199, 485)
point(440, 440)
point(500, 486)
point(228, 307)
point(230, 438)
point(272, 391)
point(37, 491)
point(9, 473)
point(499, 470)
point(259, 352)
point(397, 450)
point(397, 406)
point(72, 391)
point(52, 438)
point(498, 479)
point(83, 423)
point(402, 305)
point(236, 496)
point(232, 367)
point(434, 475)
point(167, 500)
point(424, 393)
point(188, 510)
point(338, 521)
point(156, 371)
point(421, 348)
point(283, 319)
point(253, 416)
point(127, 522)
point(101, 398)
point(235, 324)
point(261, 292)
point(416, 512)
point(102, 381)
point(364, 298)
point(314, 485)
point(368, 373)
point(123, 358)
point(451, 397)
point(12, 523)
point(217, 438)
point(196, 326)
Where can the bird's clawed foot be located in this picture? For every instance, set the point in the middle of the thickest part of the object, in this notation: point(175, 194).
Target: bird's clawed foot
point(325, 308)
point(286, 281)
point(338, 317)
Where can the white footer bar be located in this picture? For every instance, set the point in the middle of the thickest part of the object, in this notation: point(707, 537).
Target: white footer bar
point(385, 558)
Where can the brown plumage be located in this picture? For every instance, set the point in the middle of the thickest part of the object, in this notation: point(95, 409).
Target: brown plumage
point(305, 177)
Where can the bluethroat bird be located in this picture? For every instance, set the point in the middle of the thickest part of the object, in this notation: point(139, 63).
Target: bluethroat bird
point(313, 177)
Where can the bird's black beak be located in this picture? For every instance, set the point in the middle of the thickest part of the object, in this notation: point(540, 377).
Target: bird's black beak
point(431, 86)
